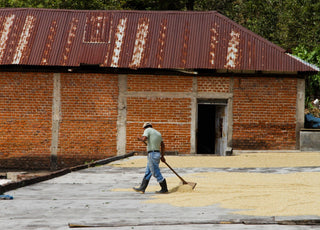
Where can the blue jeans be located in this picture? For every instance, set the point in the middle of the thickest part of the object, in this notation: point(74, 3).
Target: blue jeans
point(153, 168)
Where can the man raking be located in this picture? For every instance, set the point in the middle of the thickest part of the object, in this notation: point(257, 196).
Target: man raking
point(156, 151)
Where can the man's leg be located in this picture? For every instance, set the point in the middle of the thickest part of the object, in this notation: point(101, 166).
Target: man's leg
point(145, 180)
point(155, 169)
point(164, 188)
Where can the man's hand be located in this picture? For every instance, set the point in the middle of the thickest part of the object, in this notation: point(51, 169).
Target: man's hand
point(143, 139)
point(163, 159)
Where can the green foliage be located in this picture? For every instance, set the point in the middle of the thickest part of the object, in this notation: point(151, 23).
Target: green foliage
point(260, 17)
point(224, 6)
point(299, 23)
point(65, 4)
point(312, 82)
point(154, 5)
point(89, 5)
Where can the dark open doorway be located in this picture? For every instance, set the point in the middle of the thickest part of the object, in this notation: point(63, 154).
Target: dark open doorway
point(212, 126)
point(206, 129)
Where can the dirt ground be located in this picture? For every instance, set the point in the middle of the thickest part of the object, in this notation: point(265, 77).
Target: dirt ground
point(247, 160)
point(279, 192)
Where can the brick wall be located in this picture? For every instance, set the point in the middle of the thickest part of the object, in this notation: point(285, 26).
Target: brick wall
point(264, 113)
point(25, 120)
point(88, 125)
point(88, 128)
point(169, 110)
point(263, 109)
point(214, 84)
point(156, 83)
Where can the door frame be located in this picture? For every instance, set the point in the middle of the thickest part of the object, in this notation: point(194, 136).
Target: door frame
point(228, 121)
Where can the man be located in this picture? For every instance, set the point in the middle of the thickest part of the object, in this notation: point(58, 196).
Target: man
point(156, 150)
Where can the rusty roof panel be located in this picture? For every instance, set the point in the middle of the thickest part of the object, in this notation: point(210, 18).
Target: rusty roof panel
point(137, 39)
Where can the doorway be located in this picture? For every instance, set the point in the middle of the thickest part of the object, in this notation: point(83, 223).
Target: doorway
point(206, 130)
point(212, 127)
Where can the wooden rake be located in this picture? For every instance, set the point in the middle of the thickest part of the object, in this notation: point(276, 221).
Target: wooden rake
point(192, 184)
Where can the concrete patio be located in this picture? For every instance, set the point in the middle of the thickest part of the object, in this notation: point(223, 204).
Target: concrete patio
point(87, 198)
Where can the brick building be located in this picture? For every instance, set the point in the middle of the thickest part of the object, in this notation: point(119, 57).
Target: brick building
point(77, 86)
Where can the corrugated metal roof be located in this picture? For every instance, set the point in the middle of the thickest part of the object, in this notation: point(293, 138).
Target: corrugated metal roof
point(137, 39)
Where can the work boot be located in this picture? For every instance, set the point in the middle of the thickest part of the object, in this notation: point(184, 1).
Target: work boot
point(143, 186)
point(164, 188)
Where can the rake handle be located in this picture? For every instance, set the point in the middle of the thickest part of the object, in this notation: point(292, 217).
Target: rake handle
point(183, 181)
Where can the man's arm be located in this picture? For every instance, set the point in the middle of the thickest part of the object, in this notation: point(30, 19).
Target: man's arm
point(143, 139)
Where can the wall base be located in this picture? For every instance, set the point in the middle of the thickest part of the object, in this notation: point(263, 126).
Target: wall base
point(309, 140)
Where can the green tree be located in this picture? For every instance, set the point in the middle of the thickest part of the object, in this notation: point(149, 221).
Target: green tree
point(87, 5)
point(226, 7)
point(153, 5)
point(312, 82)
point(258, 16)
point(299, 23)
point(65, 4)
point(103, 4)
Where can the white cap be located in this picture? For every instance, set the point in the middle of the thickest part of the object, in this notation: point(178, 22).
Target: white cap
point(147, 124)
